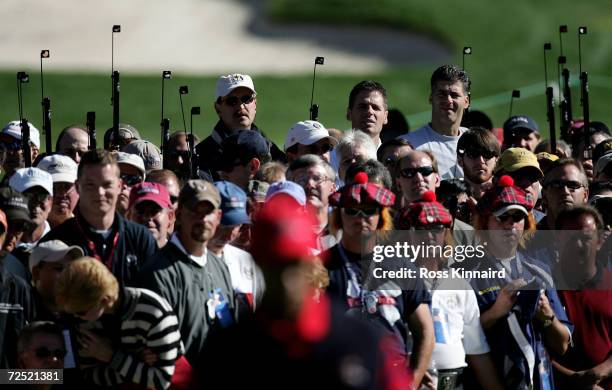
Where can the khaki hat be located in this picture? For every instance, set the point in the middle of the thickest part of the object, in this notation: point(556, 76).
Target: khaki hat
point(513, 159)
point(54, 251)
point(195, 191)
point(149, 152)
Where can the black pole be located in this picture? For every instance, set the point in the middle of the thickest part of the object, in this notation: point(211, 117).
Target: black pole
point(116, 89)
point(46, 105)
point(91, 128)
point(584, 87)
point(314, 108)
point(550, 114)
point(25, 143)
point(193, 156)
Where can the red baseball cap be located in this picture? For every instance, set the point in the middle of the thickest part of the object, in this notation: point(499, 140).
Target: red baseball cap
point(153, 192)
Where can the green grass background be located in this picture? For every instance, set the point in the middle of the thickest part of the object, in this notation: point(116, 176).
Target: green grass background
point(507, 40)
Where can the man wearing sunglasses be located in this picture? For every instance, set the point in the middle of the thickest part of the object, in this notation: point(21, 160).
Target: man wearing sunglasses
point(417, 174)
point(176, 155)
point(41, 346)
point(308, 137)
point(63, 171)
point(131, 171)
point(449, 98)
point(565, 186)
point(236, 106)
point(477, 153)
point(10, 138)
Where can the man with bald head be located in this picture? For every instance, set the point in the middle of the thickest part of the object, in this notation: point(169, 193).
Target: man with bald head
point(73, 142)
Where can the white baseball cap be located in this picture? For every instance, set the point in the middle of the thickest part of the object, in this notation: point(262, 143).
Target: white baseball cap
point(307, 133)
point(52, 252)
point(227, 83)
point(62, 168)
point(26, 178)
point(13, 128)
point(131, 159)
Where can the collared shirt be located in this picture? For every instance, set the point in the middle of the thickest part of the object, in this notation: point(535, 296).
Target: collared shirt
point(199, 260)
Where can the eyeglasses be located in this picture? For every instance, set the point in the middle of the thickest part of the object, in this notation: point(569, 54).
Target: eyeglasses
point(516, 217)
point(366, 212)
point(175, 154)
point(315, 179)
point(572, 185)
point(233, 101)
point(436, 228)
point(45, 353)
point(476, 153)
point(409, 173)
point(131, 180)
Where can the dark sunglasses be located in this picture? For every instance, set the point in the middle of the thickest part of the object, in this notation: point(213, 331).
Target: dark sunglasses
point(516, 217)
point(36, 198)
point(175, 154)
point(559, 184)
point(476, 153)
point(436, 228)
point(131, 180)
point(353, 212)
point(233, 101)
point(409, 173)
point(173, 199)
point(319, 149)
point(45, 353)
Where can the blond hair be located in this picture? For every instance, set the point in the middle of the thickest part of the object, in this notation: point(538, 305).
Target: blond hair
point(83, 284)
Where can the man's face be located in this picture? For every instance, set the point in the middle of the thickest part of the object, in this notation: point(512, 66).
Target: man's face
point(580, 243)
point(39, 203)
point(527, 178)
point(358, 154)
point(177, 159)
point(199, 223)
point(369, 113)
point(130, 176)
point(45, 276)
point(99, 188)
point(225, 235)
point(448, 101)
point(359, 220)
point(526, 139)
point(477, 165)
point(239, 175)
point(74, 144)
point(506, 230)
point(16, 228)
point(45, 351)
point(234, 112)
point(150, 215)
point(65, 198)
point(321, 148)
point(564, 189)
point(422, 177)
point(317, 184)
point(14, 154)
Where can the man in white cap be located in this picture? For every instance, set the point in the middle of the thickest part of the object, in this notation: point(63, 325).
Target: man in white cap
point(132, 171)
point(63, 171)
point(236, 106)
point(308, 137)
point(10, 138)
point(46, 263)
point(37, 186)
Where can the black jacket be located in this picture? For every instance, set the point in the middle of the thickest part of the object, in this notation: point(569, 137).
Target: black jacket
point(134, 244)
point(16, 310)
point(209, 151)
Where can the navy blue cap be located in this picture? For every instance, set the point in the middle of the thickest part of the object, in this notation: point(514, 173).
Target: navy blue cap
point(242, 147)
point(233, 204)
point(513, 124)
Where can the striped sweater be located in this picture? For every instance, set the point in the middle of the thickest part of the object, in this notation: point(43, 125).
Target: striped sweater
point(143, 320)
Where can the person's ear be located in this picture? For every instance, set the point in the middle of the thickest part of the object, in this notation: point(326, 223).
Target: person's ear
point(254, 165)
point(460, 161)
point(430, 99)
point(437, 180)
point(35, 273)
point(216, 107)
point(348, 115)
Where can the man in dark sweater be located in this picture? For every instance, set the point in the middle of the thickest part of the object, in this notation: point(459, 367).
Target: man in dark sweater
point(195, 282)
point(97, 228)
point(236, 106)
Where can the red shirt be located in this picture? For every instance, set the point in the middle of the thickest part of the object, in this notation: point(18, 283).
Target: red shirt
point(591, 313)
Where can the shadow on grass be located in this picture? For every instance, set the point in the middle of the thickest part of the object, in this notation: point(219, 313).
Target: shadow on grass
point(394, 47)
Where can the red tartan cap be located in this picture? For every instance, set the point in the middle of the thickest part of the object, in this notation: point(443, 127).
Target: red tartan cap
point(362, 192)
point(283, 232)
point(505, 196)
point(426, 211)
